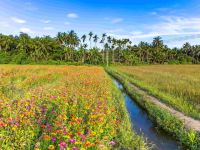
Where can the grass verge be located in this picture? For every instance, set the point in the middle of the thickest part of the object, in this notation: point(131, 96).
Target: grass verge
point(126, 136)
point(161, 117)
point(161, 86)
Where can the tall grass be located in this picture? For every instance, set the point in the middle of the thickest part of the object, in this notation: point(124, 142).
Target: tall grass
point(177, 85)
point(163, 118)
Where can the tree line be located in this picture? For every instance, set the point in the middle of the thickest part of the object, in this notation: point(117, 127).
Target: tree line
point(68, 47)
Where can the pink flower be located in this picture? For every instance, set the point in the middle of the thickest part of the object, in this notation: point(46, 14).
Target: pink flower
point(53, 139)
point(63, 145)
point(74, 148)
point(83, 137)
point(72, 140)
point(112, 143)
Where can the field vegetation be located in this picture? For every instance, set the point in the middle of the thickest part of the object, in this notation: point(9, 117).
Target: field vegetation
point(176, 85)
point(162, 118)
point(62, 107)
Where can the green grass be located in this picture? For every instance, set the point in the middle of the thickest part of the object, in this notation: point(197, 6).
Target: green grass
point(161, 117)
point(176, 85)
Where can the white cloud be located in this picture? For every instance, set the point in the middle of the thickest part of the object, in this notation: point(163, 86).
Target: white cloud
point(153, 13)
point(72, 15)
point(136, 32)
point(26, 30)
point(67, 23)
point(18, 20)
point(45, 21)
point(48, 28)
point(116, 20)
point(114, 30)
point(175, 25)
point(170, 26)
point(175, 30)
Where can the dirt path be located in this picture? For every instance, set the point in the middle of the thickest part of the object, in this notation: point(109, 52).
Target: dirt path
point(188, 121)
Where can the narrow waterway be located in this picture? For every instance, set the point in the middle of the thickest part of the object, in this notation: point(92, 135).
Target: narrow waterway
point(144, 126)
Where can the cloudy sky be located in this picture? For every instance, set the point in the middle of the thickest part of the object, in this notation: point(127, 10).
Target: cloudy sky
point(177, 21)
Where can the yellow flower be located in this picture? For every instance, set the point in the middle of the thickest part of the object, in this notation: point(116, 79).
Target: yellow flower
point(13, 128)
point(51, 147)
point(101, 131)
point(82, 149)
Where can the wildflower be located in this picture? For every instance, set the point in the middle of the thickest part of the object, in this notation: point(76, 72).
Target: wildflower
point(74, 148)
point(112, 143)
point(63, 145)
point(72, 140)
point(46, 137)
point(53, 139)
point(83, 136)
point(51, 147)
point(87, 144)
point(101, 146)
point(37, 145)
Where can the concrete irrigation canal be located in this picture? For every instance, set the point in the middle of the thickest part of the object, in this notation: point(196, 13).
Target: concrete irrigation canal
point(142, 125)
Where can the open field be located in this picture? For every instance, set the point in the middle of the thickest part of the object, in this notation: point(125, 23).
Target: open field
point(58, 107)
point(184, 129)
point(177, 85)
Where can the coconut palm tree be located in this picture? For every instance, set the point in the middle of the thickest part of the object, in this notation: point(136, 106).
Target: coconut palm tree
point(109, 40)
point(83, 38)
point(106, 46)
point(102, 42)
point(83, 47)
point(114, 44)
point(90, 39)
point(95, 40)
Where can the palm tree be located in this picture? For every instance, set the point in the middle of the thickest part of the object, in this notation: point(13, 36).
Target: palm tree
point(187, 48)
point(83, 47)
point(69, 41)
point(106, 46)
point(158, 46)
point(157, 42)
point(109, 39)
point(114, 43)
point(90, 39)
point(95, 40)
point(73, 39)
point(102, 42)
point(83, 38)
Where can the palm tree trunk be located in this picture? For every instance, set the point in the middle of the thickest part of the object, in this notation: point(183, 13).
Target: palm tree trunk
point(107, 59)
point(103, 55)
point(113, 57)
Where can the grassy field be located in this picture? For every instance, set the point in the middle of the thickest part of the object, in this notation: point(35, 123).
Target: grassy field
point(177, 85)
point(162, 118)
point(62, 107)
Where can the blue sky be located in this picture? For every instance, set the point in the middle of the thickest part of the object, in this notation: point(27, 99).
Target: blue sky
point(134, 19)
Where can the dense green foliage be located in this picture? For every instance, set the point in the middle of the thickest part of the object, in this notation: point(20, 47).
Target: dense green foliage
point(69, 48)
point(161, 117)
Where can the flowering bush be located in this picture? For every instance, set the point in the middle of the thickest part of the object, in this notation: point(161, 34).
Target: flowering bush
point(57, 107)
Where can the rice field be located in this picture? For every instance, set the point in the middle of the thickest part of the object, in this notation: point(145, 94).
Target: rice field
point(62, 107)
point(177, 85)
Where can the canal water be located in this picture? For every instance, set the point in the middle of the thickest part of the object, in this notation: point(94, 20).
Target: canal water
point(142, 125)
